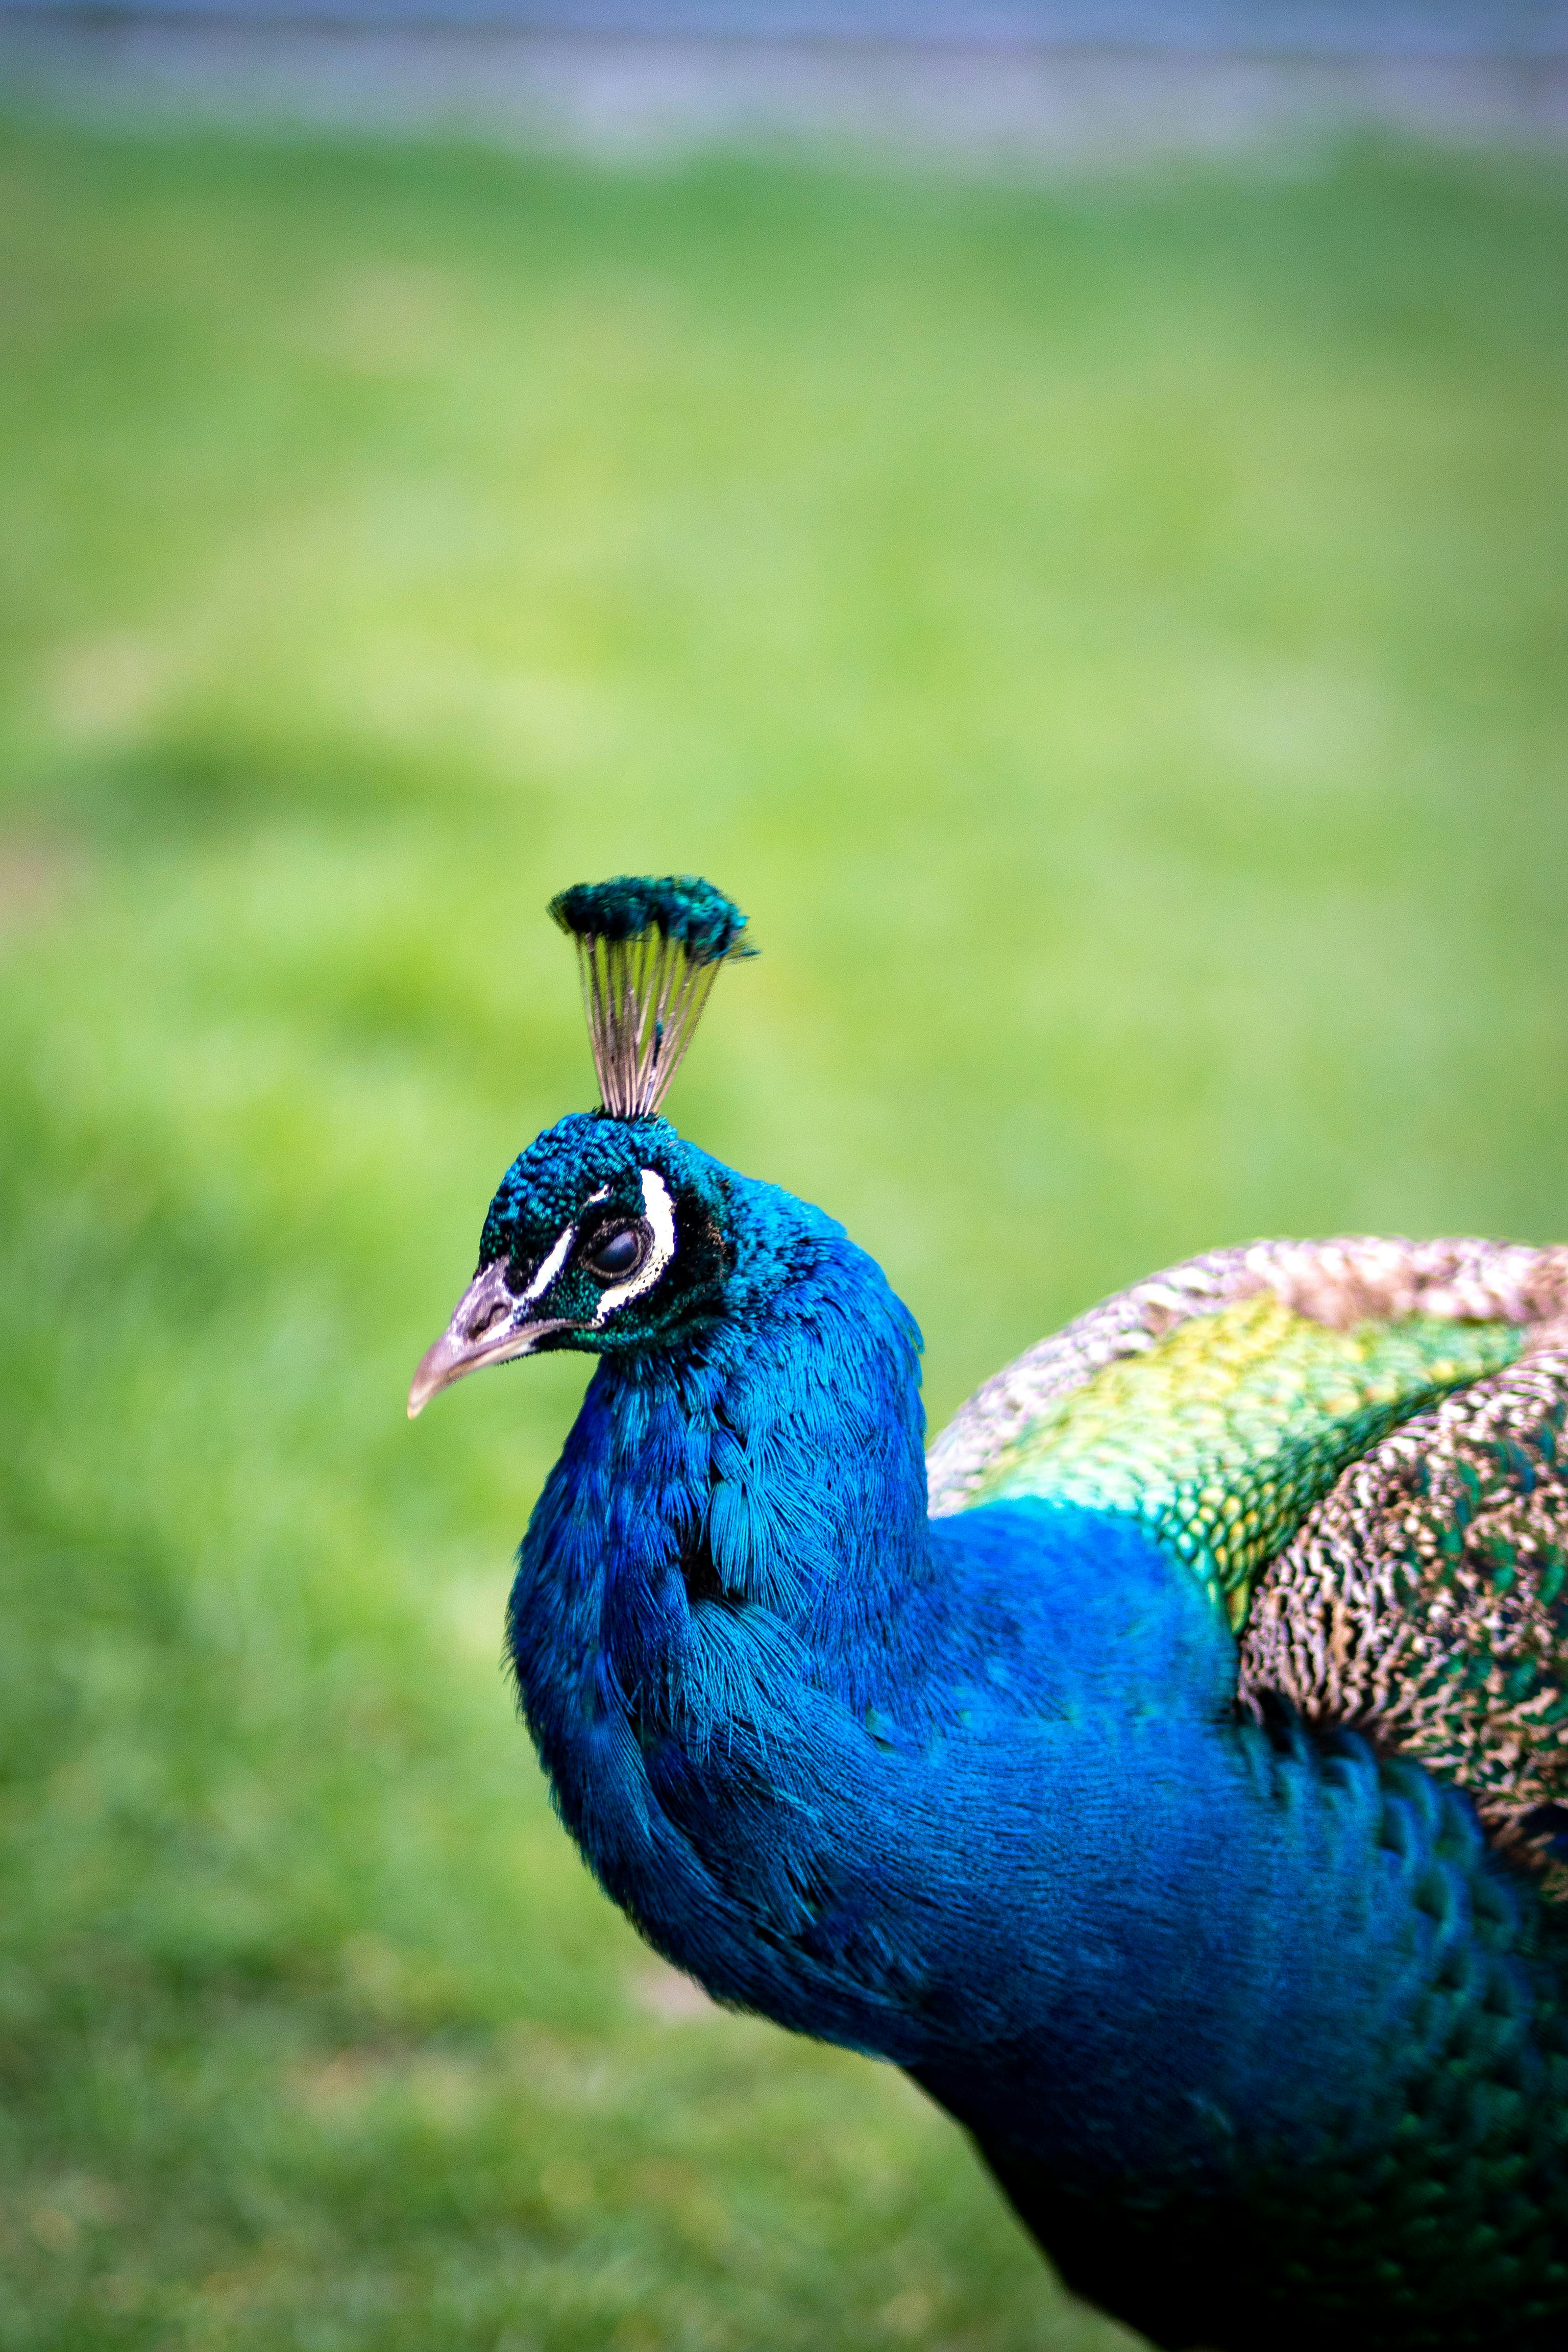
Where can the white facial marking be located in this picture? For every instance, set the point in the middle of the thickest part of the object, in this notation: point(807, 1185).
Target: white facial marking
point(550, 1267)
point(660, 1215)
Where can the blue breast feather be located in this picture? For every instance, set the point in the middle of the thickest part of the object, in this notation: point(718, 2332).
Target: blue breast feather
point(973, 1794)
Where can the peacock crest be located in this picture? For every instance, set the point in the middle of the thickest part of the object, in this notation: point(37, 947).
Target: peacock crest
point(649, 951)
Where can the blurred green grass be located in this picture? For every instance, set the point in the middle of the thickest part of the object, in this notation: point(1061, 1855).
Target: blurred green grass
point(1108, 635)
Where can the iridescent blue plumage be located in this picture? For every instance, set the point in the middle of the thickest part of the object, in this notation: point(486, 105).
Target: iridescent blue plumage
point(1261, 2032)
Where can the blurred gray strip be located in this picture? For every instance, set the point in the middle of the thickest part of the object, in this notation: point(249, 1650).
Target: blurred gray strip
point(1327, 28)
point(465, 65)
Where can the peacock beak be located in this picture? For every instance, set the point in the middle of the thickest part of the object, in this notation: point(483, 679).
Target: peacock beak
point(488, 1326)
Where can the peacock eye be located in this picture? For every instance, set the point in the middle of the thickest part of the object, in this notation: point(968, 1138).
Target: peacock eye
point(613, 1255)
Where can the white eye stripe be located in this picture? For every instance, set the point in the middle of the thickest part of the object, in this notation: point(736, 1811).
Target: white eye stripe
point(551, 1267)
point(660, 1215)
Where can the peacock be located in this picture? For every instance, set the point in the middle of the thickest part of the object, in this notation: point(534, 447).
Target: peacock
point(1169, 1770)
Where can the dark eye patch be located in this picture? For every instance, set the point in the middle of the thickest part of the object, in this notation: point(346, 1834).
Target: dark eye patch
point(615, 1252)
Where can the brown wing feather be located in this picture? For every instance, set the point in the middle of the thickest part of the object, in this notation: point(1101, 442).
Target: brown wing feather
point(1425, 1599)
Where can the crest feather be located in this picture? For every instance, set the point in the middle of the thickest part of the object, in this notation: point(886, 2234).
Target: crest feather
point(648, 951)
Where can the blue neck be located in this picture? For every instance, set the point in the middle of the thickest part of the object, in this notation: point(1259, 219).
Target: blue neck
point(773, 1468)
point(727, 1574)
point(749, 1660)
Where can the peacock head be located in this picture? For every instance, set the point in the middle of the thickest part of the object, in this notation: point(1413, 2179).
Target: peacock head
point(607, 1232)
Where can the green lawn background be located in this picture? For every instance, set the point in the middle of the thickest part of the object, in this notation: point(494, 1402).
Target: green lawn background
point(1109, 634)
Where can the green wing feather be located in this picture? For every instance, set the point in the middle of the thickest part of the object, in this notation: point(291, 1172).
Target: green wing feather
point(1220, 1402)
point(1222, 1437)
point(1361, 1448)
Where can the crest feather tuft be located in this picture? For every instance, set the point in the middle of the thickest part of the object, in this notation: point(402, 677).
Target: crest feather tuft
point(648, 951)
